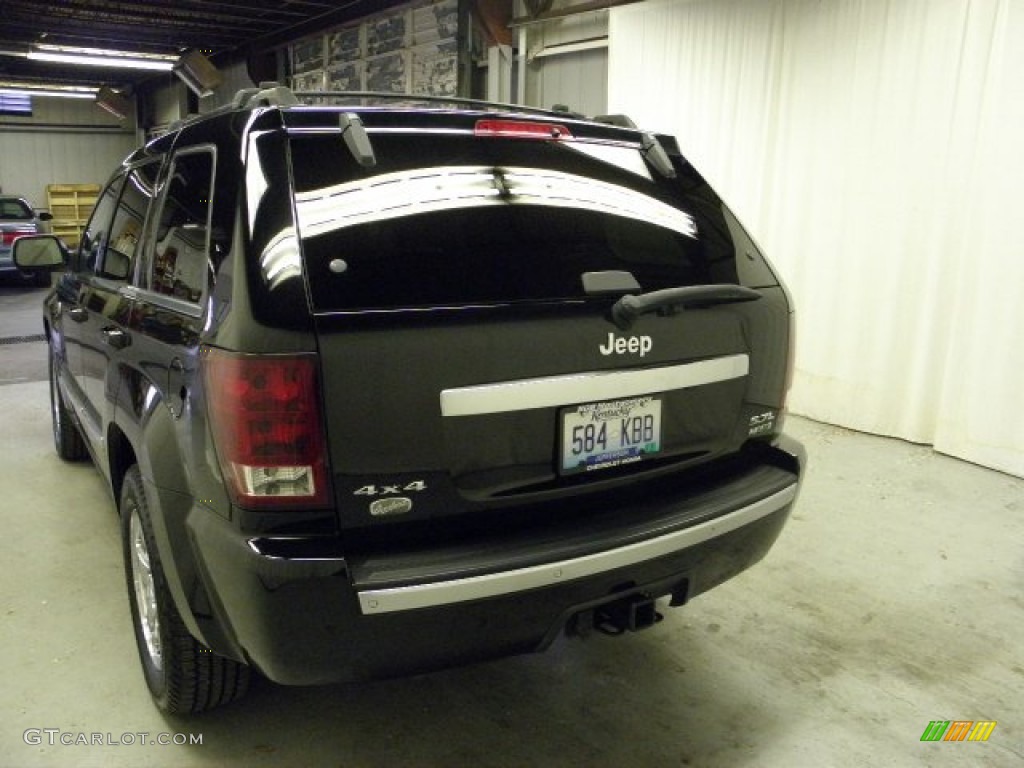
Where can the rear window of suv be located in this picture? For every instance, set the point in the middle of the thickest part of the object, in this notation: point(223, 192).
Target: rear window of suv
point(15, 209)
point(448, 219)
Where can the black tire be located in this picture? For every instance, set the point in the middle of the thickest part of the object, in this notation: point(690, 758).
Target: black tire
point(66, 437)
point(184, 677)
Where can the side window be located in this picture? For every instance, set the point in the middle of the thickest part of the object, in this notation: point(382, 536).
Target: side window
point(182, 258)
point(12, 208)
point(126, 229)
point(97, 232)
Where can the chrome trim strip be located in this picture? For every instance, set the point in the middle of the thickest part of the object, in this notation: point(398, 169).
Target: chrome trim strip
point(174, 304)
point(376, 601)
point(526, 394)
point(323, 129)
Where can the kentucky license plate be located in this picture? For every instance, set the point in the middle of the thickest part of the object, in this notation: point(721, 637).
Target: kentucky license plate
point(602, 435)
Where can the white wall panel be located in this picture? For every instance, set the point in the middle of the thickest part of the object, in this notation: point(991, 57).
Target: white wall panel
point(30, 161)
point(65, 142)
point(577, 79)
point(79, 112)
point(874, 147)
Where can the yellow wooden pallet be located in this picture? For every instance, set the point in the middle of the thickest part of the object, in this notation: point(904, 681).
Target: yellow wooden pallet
point(70, 205)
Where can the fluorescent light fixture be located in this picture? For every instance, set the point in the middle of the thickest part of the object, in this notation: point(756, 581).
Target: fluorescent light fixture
point(113, 102)
point(198, 73)
point(102, 57)
point(52, 91)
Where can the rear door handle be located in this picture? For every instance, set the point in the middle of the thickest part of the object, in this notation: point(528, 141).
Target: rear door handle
point(116, 338)
point(78, 314)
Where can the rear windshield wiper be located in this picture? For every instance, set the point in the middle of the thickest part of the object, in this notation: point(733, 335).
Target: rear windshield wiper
point(626, 310)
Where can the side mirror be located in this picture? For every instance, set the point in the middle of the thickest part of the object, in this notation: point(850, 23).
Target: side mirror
point(39, 253)
point(44, 216)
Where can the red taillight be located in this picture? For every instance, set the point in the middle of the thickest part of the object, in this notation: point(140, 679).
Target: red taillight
point(10, 237)
point(265, 416)
point(521, 129)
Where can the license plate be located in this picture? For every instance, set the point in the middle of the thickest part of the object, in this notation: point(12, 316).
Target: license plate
point(610, 434)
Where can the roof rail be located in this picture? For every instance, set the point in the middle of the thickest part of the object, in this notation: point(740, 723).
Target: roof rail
point(564, 109)
point(623, 121)
point(269, 93)
point(242, 97)
point(273, 94)
point(418, 98)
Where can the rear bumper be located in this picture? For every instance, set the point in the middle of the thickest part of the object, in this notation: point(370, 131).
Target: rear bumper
point(304, 616)
point(438, 593)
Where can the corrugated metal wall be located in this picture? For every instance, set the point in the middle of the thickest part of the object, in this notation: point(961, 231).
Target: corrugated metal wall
point(65, 141)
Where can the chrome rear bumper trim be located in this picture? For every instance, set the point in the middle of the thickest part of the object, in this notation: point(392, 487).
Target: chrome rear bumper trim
point(377, 601)
point(508, 396)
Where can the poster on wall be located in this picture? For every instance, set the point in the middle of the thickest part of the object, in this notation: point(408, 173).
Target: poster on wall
point(308, 81)
point(385, 34)
point(412, 50)
point(387, 74)
point(345, 77)
point(435, 22)
point(345, 45)
point(308, 55)
point(435, 69)
point(435, 51)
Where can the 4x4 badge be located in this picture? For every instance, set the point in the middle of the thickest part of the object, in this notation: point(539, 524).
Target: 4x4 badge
point(384, 490)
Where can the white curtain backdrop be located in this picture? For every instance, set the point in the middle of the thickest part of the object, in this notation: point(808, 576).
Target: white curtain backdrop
point(875, 148)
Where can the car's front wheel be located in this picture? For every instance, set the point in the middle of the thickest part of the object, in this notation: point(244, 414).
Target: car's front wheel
point(183, 675)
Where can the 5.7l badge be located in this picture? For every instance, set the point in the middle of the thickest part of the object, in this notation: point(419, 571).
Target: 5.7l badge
point(761, 424)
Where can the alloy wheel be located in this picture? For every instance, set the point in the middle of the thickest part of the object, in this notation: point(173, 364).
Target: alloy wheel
point(145, 590)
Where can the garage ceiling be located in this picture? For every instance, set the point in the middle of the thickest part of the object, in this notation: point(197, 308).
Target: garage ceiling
point(226, 30)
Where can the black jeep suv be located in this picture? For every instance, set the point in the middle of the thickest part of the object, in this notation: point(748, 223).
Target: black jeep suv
point(381, 387)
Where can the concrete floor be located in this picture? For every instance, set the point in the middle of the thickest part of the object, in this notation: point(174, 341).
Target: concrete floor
point(21, 318)
point(893, 598)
